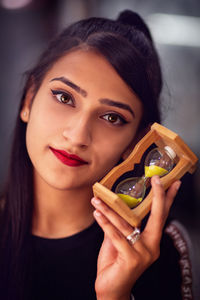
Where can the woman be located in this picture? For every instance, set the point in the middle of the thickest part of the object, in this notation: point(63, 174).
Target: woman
point(90, 98)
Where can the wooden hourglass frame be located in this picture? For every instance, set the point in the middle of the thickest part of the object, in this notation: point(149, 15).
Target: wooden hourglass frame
point(185, 161)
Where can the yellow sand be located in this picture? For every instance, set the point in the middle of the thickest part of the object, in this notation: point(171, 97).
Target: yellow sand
point(154, 170)
point(130, 201)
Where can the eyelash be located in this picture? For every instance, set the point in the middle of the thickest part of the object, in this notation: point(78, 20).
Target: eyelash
point(120, 122)
point(56, 94)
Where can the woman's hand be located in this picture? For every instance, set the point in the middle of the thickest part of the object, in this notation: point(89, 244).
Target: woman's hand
point(119, 263)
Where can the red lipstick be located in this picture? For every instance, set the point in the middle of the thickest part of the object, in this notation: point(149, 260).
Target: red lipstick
point(68, 159)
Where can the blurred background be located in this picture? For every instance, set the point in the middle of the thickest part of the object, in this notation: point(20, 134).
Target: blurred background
point(28, 25)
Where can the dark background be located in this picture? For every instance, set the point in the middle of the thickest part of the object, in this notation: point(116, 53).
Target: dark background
point(175, 25)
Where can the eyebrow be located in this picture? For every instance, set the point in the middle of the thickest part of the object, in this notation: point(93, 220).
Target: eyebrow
point(71, 84)
point(117, 104)
point(84, 94)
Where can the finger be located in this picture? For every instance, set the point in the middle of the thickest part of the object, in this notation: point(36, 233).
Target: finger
point(112, 216)
point(116, 236)
point(130, 254)
point(160, 208)
point(157, 209)
point(171, 193)
point(153, 230)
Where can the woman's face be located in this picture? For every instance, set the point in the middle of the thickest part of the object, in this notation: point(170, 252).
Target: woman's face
point(85, 109)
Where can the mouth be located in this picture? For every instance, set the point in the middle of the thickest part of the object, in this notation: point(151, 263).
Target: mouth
point(68, 159)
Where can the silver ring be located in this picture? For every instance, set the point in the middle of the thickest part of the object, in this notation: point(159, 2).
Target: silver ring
point(134, 236)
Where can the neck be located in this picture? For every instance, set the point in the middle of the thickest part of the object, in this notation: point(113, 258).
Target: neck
point(61, 213)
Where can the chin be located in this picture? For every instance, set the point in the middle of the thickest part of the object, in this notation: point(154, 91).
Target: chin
point(65, 184)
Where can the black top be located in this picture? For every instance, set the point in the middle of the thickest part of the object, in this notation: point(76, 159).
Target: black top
point(65, 269)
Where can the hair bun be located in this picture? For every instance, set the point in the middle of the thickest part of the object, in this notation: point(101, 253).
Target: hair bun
point(131, 18)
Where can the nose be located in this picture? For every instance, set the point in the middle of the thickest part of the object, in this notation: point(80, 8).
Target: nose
point(78, 132)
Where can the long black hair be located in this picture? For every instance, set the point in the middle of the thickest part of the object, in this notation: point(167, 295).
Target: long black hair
point(128, 46)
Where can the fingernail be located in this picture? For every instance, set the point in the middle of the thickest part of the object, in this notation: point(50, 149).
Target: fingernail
point(97, 213)
point(96, 201)
point(157, 179)
point(178, 184)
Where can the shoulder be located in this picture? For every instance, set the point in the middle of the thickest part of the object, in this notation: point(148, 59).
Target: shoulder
point(170, 276)
point(183, 246)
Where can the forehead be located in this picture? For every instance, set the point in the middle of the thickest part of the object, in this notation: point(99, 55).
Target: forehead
point(92, 72)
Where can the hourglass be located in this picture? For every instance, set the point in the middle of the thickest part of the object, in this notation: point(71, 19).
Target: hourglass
point(159, 161)
point(170, 160)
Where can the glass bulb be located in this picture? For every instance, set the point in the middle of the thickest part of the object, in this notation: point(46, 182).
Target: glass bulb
point(131, 190)
point(159, 161)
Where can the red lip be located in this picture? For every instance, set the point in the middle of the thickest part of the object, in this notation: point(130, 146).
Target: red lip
point(68, 159)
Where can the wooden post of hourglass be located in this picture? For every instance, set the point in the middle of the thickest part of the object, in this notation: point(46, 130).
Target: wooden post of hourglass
point(185, 161)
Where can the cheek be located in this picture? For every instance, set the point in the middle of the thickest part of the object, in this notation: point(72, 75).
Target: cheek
point(40, 126)
point(115, 143)
point(43, 121)
point(110, 150)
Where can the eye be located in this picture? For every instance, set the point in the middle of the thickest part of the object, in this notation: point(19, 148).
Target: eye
point(114, 119)
point(63, 97)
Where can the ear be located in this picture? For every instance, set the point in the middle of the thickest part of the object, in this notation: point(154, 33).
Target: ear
point(141, 133)
point(25, 111)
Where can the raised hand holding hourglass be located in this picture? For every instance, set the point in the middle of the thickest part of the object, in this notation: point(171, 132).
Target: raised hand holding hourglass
point(171, 160)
